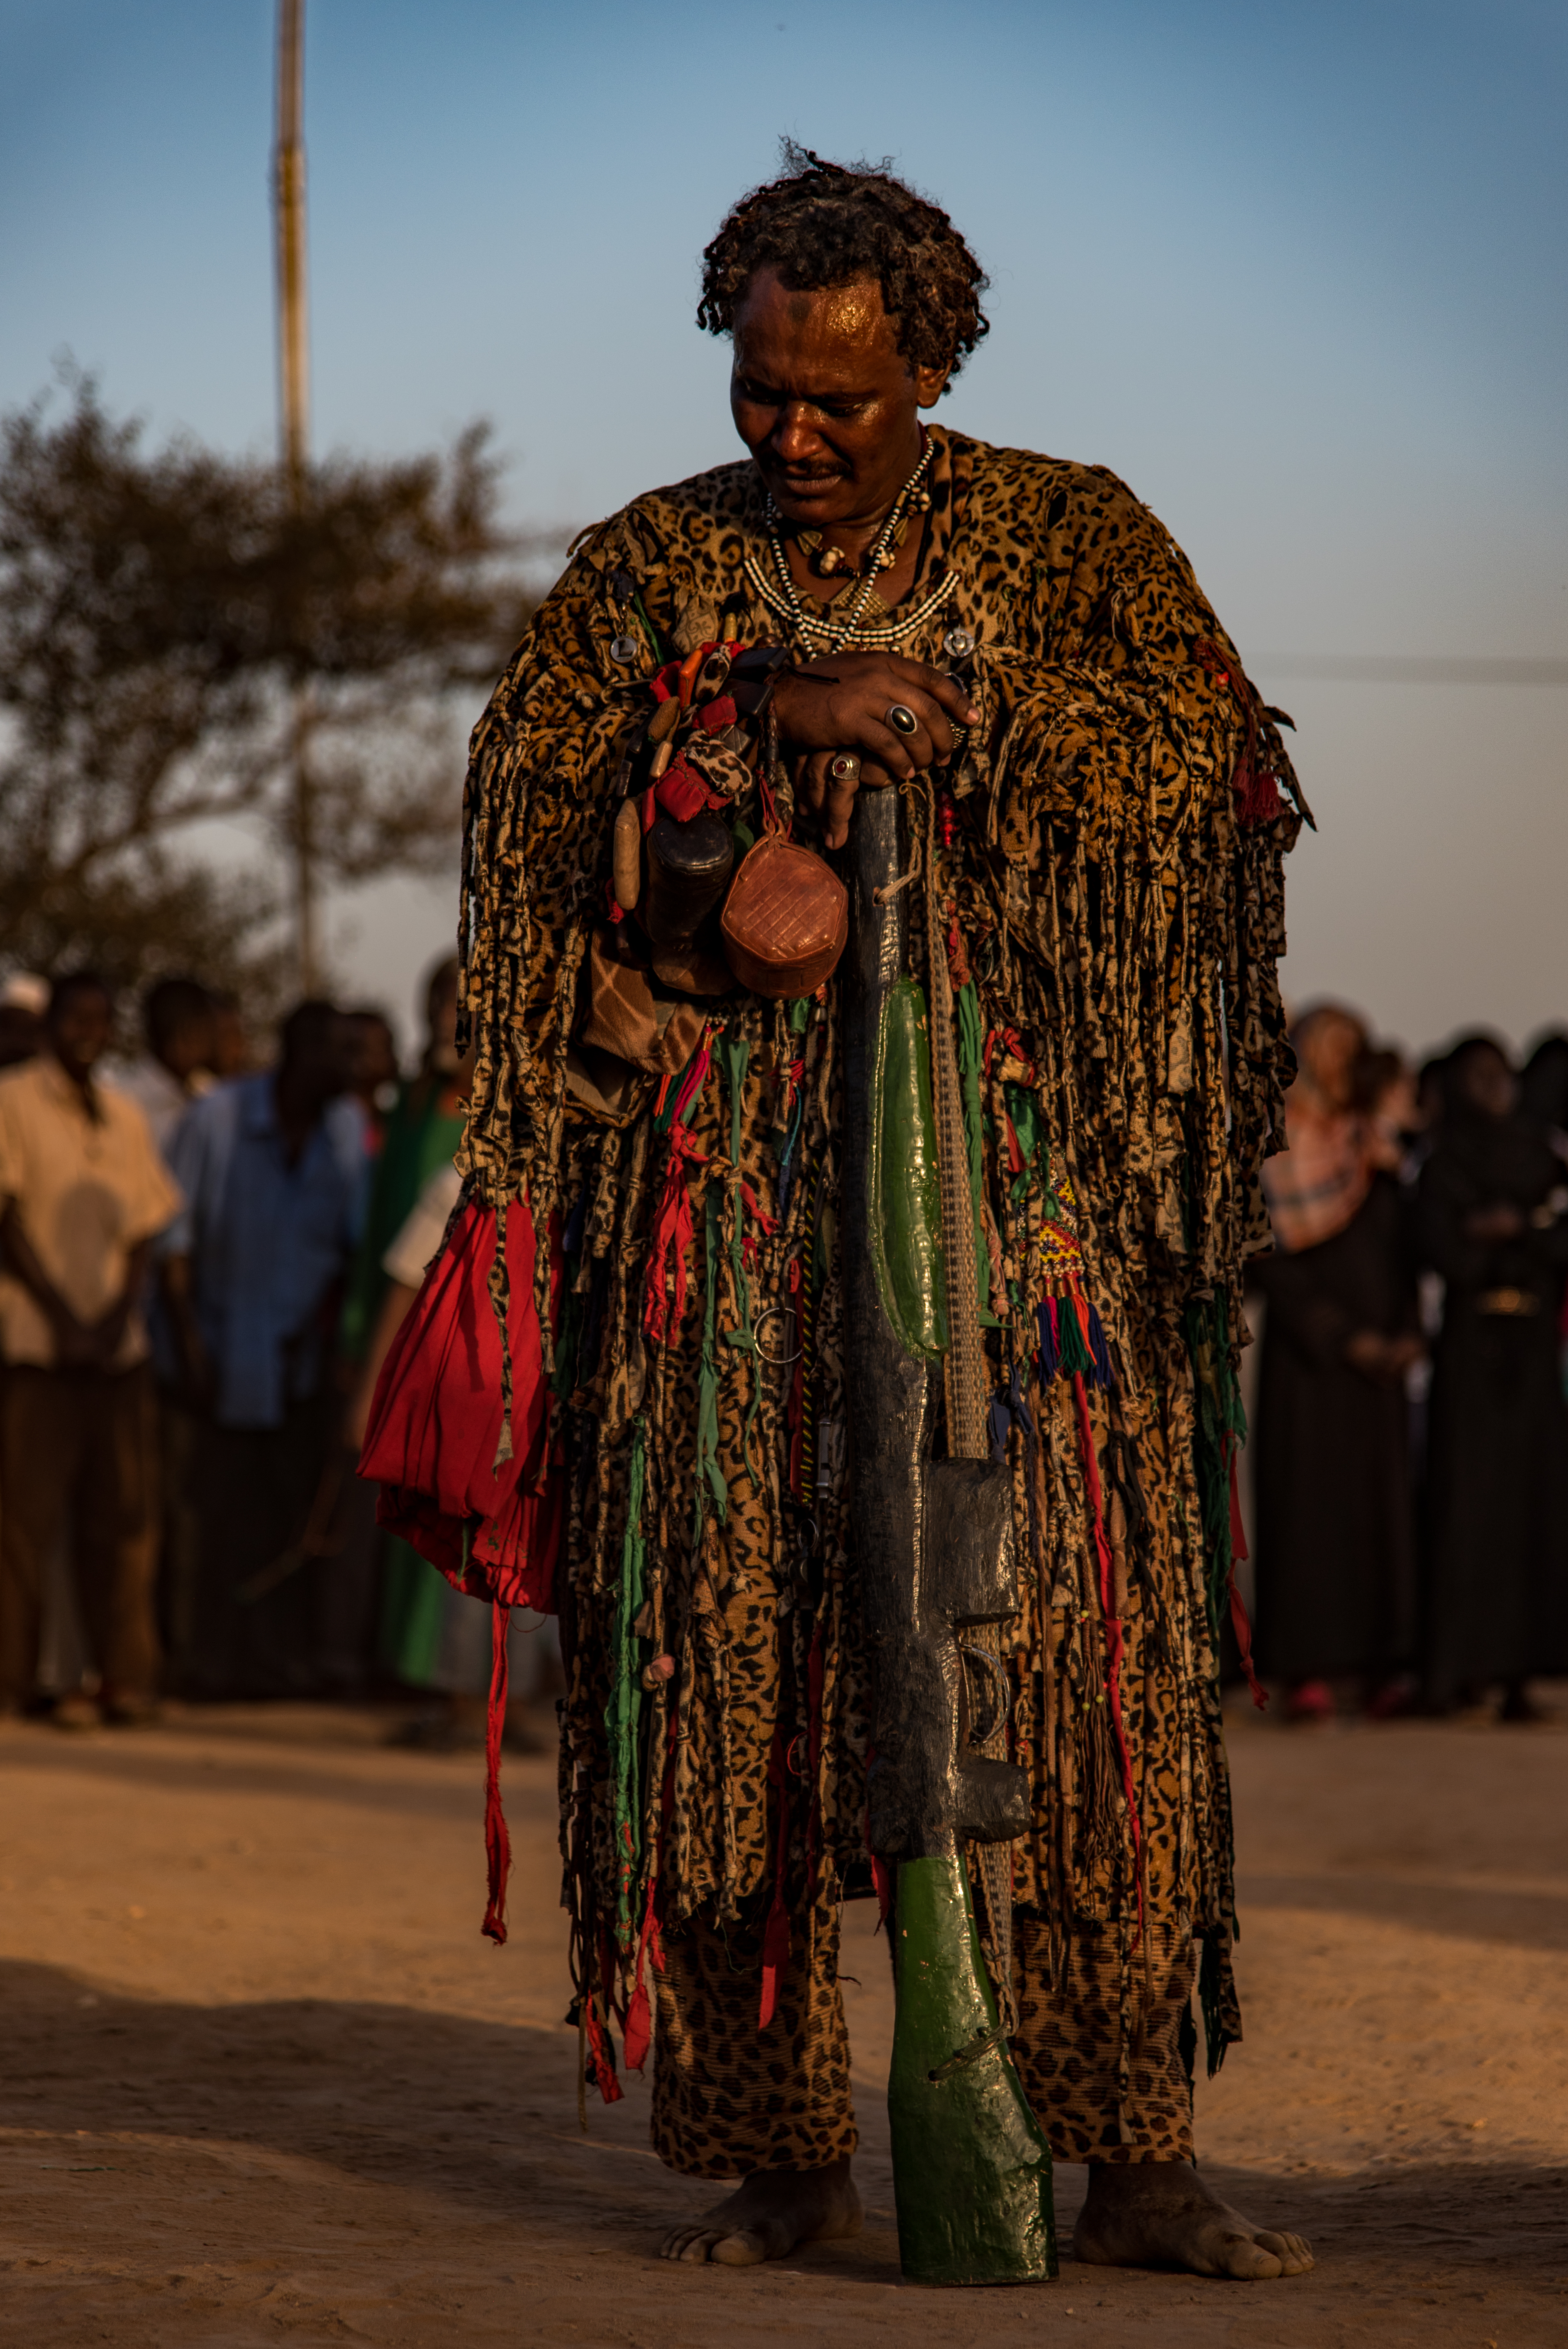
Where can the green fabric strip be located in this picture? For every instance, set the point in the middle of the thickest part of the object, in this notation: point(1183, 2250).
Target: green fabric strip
point(735, 1058)
point(971, 1067)
point(1073, 1357)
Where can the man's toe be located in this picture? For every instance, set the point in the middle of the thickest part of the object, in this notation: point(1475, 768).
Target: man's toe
point(678, 2243)
point(741, 2250)
point(1246, 2260)
point(1293, 2251)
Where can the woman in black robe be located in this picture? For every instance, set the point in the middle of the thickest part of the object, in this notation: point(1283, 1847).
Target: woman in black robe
point(1493, 1219)
point(1336, 1534)
point(1543, 1086)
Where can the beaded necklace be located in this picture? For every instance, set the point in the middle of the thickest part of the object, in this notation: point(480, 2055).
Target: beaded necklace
point(818, 627)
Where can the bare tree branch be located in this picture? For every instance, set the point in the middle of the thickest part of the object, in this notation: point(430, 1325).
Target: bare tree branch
point(158, 612)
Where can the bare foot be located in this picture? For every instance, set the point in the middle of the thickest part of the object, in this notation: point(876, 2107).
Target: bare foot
point(767, 2217)
point(1161, 2214)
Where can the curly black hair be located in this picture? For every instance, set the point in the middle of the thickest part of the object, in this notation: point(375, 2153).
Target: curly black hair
point(823, 225)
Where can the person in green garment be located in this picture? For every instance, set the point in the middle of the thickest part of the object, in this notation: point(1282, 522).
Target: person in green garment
point(424, 1130)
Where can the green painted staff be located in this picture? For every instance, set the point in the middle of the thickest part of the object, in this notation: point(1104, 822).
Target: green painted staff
point(972, 2171)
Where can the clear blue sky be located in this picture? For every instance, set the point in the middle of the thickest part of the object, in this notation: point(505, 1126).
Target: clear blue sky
point(1296, 271)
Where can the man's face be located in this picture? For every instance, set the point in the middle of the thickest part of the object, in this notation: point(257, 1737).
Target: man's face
point(372, 1054)
point(231, 1045)
point(822, 398)
point(324, 1062)
point(191, 1046)
point(79, 1029)
point(1330, 1053)
point(1488, 1084)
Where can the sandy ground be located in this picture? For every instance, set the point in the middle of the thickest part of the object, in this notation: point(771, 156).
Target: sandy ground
point(264, 2080)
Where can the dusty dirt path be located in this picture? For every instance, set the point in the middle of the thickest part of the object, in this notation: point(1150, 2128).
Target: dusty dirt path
point(264, 2081)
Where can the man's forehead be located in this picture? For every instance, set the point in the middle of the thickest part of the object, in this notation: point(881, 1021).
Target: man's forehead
point(87, 991)
point(838, 336)
point(808, 378)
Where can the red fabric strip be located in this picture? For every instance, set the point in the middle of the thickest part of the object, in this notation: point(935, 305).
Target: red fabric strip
point(795, 1409)
point(1257, 792)
point(775, 1938)
point(664, 1293)
point(437, 1414)
point(598, 2057)
point(498, 1842)
point(636, 2033)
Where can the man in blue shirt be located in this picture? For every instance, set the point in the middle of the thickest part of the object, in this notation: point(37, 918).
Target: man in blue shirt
point(274, 1168)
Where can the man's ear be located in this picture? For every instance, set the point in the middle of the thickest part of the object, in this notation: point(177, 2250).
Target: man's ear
point(930, 383)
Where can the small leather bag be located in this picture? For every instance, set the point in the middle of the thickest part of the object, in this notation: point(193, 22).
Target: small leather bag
point(786, 919)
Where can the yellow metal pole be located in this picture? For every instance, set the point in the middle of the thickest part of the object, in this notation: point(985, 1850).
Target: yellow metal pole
point(294, 366)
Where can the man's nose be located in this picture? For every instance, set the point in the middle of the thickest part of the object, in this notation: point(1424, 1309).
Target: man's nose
point(795, 437)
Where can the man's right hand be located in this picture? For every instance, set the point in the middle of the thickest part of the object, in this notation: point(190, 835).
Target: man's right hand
point(1387, 1358)
point(199, 1377)
point(840, 701)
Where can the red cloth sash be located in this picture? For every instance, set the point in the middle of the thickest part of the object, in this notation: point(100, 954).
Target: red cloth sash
point(436, 1421)
point(434, 1432)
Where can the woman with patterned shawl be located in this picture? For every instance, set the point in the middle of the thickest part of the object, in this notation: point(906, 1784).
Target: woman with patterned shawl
point(1336, 1551)
point(1018, 646)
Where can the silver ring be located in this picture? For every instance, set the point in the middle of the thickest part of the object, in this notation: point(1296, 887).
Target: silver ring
point(844, 768)
point(903, 720)
point(774, 1361)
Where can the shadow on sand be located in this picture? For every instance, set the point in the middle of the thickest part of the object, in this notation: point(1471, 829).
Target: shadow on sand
point(481, 2118)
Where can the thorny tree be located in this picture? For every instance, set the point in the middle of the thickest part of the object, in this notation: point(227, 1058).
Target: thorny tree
point(159, 611)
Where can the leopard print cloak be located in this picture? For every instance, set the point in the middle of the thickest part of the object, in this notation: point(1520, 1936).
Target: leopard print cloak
point(1110, 893)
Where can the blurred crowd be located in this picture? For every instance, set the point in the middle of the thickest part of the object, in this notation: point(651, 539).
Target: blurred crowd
point(204, 1262)
point(1410, 1438)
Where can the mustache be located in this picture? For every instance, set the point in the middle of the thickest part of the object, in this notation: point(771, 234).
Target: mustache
point(808, 472)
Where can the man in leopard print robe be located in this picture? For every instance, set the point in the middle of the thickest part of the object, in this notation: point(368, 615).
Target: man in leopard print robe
point(1101, 793)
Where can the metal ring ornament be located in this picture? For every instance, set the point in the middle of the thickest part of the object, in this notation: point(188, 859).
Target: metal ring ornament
point(844, 767)
point(982, 1729)
point(774, 1361)
point(903, 719)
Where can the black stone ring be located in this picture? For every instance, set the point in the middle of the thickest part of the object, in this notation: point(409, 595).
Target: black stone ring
point(903, 720)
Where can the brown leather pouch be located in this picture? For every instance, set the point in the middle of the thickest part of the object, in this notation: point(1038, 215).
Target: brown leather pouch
point(786, 919)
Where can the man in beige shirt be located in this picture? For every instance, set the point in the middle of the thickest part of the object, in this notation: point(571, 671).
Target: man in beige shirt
point(83, 1190)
